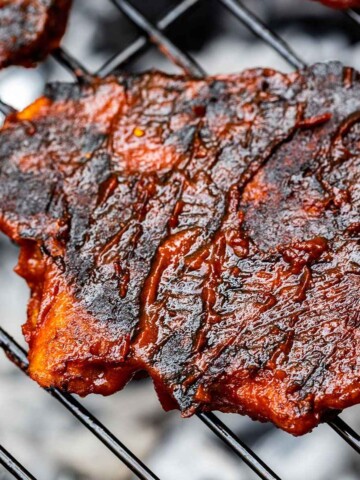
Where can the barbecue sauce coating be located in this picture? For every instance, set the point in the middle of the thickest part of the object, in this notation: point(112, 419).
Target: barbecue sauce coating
point(203, 231)
point(30, 29)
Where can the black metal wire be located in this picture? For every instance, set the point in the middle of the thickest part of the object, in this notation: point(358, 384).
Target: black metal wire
point(13, 466)
point(164, 44)
point(6, 109)
point(238, 446)
point(18, 355)
point(135, 48)
point(346, 432)
point(78, 71)
point(353, 15)
point(253, 23)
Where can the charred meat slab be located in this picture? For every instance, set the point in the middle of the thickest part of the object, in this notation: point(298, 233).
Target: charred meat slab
point(30, 29)
point(204, 231)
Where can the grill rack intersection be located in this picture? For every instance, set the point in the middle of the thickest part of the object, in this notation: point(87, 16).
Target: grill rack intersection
point(155, 34)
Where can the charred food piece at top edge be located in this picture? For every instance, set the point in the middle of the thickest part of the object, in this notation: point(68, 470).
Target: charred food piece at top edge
point(30, 29)
point(206, 231)
point(341, 4)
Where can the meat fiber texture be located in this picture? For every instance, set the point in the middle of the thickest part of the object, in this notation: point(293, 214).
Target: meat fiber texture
point(30, 29)
point(203, 231)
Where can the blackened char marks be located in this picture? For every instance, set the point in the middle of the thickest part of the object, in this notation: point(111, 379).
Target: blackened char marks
point(205, 231)
point(99, 221)
point(261, 310)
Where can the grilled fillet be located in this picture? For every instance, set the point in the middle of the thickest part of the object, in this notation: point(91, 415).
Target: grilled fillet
point(205, 231)
point(30, 29)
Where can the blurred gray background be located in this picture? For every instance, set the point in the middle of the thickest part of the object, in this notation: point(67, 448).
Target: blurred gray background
point(33, 426)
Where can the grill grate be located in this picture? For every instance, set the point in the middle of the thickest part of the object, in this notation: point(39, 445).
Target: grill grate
point(155, 34)
point(14, 466)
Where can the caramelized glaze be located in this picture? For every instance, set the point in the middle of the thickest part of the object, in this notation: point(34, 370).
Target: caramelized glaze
point(203, 231)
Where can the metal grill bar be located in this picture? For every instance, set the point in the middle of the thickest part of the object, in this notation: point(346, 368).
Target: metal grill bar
point(164, 44)
point(123, 57)
point(346, 432)
point(13, 466)
point(239, 447)
point(18, 355)
point(253, 23)
point(78, 71)
point(6, 109)
point(353, 15)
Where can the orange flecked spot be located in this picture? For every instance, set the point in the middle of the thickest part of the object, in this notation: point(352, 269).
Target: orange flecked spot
point(34, 109)
point(138, 132)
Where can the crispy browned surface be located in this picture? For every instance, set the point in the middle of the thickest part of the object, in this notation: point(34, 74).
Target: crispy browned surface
point(30, 29)
point(206, 231)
